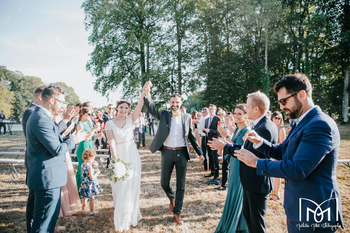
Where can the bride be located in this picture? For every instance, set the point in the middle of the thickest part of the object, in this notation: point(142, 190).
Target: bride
point(126, 194)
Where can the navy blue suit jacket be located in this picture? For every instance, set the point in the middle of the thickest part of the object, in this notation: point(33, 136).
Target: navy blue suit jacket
point(46, 160)
point(307, 161)
point(249, 179)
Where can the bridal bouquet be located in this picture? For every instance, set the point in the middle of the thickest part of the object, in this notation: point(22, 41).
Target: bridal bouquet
point(118, 169)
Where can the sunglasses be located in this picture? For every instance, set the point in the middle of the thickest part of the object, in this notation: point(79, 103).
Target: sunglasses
point(277, 118)
point(284, 100)
point(62, 102)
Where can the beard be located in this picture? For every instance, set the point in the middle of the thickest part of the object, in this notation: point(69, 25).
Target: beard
point(294, 112)
point(175, 108)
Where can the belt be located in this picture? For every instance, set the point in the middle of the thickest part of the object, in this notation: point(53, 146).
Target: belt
point(174, 148)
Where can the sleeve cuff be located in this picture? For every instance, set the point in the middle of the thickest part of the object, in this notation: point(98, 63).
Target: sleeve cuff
point(256, 146)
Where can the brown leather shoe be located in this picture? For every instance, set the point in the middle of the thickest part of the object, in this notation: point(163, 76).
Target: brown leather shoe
point(178, 219)
point(172, 205)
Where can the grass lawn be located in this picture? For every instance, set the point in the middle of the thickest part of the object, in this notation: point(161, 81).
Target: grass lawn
point(202, 204)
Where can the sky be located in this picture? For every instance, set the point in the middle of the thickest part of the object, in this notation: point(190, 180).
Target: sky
point(47, 39)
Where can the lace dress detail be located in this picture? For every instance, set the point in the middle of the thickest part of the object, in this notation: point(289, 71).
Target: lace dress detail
point(126, 194)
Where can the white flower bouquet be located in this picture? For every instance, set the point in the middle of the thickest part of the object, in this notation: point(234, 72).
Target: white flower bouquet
point(118, 169)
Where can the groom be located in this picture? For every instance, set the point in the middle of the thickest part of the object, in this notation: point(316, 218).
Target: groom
point(171, 139)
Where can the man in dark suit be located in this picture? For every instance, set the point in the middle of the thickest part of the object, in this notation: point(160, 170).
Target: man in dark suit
point(46, 165)
point(150, 124)
point(307, 160)
point(256, 188)
point(108, 115)
point(211, 129)
point(175, 129)
point(2, 125)
point(25, 117)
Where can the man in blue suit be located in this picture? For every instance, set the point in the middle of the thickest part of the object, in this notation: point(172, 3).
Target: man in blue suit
point(307, 160)
point(46, 165)
point(27, 113)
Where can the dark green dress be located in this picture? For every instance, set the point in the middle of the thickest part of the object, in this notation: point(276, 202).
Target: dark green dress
point(232, 219)
point(82, 146)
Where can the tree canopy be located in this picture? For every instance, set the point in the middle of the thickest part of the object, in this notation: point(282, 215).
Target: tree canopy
point(224, 49)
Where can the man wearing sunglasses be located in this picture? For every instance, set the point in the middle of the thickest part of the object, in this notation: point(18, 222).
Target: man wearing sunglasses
point(307, 160)
point(108, 115)
point(45, 161)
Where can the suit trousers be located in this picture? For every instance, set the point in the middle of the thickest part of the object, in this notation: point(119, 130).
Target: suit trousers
point(151, 129)
point(171, 158)
point(30, 210)
point(224, 171)
point(204, 149)
point(142, 138)
point(254, 210)
point(2, 125)
point(213, 162)
point(47, 204)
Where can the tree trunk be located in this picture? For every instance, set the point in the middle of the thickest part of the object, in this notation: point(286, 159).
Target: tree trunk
point(143, 64)
point(147, 71)
point(346, 94)
point(179, 60)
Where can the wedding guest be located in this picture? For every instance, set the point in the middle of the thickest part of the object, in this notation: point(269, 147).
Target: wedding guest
point(232, 219)
point(2, 125)
point(256, 188)
point(109, 114)
point(211, 125)
point(150, 119)
point(139, 129)
point(225, 131)
point(194, 116)
point(84, 115)
point(307, 160)
point(100, 142)
point(197, 121)
point(203, 142)
point(27, 113)
point(89, 187)
point(183, 109)
point(46, 160)
point(70, 201)
point(277, 119)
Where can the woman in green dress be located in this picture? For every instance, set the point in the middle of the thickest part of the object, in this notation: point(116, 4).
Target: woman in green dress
point(232, 219)
point(84, 116)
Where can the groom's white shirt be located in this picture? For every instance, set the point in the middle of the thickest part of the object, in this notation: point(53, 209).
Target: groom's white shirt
point(176, 135)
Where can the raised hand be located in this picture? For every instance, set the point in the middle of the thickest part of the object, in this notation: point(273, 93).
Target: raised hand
point(246, 157)
point(80, 136)
point(222, 131)
point(217, 144)
point(252, 136)
point(147, 88)
point(68, 113)
point(96, 127)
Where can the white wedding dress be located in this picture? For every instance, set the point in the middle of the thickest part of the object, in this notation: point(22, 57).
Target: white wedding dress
point(126, 194)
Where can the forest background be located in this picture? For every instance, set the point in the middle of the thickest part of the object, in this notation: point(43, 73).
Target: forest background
point(210, 51)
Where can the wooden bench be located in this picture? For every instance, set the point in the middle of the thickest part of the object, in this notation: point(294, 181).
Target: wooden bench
point(98, 158)
point(345, 161)
point(10, 162)
point(20, 148)
point(17, 154)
